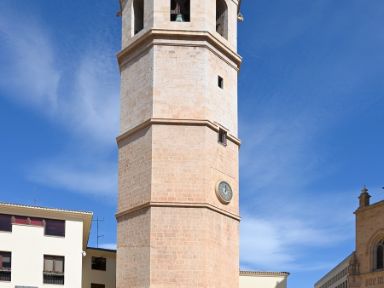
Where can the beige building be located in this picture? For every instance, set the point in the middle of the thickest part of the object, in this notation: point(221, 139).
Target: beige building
point(99, 268)
point(251, 279)
point(364, 268)
point(178, 204)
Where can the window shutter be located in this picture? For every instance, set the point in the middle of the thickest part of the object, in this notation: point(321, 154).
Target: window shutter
point(59, 266)
point(48, 264)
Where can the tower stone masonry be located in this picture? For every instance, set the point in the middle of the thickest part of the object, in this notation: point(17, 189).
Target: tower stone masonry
point(178, 204)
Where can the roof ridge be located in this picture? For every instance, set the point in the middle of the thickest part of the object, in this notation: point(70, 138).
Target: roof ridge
point(44, 208)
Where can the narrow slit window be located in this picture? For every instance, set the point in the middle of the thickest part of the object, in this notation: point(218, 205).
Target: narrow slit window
point(220, 82)
point(222, 18)
point(180, 10)
point(138, 15)
point(223, 137)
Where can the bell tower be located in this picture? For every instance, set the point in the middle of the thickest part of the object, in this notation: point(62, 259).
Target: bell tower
point(178, 204)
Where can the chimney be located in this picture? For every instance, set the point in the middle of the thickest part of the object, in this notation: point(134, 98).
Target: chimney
point(364, 197)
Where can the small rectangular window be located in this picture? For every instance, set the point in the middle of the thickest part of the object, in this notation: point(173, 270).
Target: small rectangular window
point(99, 263)
point(55, 227)
point(5, 266)
point(5, 223)
point(220, 82)
point(223, 137)
point(93, 285)
point(53, 270)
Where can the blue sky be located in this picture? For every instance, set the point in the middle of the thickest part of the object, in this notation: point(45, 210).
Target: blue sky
point(311, 115)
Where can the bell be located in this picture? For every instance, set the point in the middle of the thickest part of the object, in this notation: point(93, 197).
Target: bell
point(179, 17)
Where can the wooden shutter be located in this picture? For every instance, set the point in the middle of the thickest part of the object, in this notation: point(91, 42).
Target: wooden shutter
point(48, 264)
point(59, 265)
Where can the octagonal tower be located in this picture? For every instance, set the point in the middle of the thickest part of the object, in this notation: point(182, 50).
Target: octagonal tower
point(178, 204)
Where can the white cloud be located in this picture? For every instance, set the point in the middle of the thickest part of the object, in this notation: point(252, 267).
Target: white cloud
point(30, 71)
point(80, 93)
point(270, 244)
point(97, 179)
point(92, 107)
point(284, 214)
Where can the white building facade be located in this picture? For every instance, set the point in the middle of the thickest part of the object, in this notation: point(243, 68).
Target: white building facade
point(42, 247)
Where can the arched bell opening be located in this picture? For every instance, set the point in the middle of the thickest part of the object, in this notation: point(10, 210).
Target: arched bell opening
point(222, 18)
point(138, 15)
point(180, 10)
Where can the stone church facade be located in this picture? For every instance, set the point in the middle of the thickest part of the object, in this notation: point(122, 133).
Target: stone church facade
point(364, 268)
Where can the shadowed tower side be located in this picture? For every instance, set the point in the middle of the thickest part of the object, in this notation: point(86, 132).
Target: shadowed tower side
point(178, 204)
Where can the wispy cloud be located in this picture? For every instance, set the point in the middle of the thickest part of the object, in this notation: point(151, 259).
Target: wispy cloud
point(283, 210)
point(282, 243)
point(294, 107)
point(79, 92)
point(84, 99)
point(95, 177)
point(29, 74)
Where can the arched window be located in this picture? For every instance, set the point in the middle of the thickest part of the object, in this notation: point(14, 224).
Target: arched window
point(138, 15)
point(379, 255)
point(222, 18)
point(180, 10)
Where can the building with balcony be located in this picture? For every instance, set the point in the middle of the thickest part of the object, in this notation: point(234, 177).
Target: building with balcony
point(45, 247)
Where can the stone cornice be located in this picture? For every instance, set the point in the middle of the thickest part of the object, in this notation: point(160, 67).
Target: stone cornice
point(176, 37)
point(178, 205)
point(180, 122)
point(263, 274)
point(370, 207)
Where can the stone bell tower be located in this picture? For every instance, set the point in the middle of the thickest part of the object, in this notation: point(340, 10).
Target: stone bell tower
point(178, 204)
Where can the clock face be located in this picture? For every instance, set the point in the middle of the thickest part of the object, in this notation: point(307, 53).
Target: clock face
point(224, 192)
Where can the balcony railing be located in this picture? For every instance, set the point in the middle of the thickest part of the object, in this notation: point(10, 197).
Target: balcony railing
point(5, 274)
point(53, 278)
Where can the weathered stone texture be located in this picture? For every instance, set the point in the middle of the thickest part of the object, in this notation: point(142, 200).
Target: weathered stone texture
point(135, 160)
point(133, 253)
point(172, 229)
point(369, 231)
point(136, 96)
point(193, 248)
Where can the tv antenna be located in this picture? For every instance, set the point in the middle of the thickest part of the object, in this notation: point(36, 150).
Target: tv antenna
point(98, 236)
